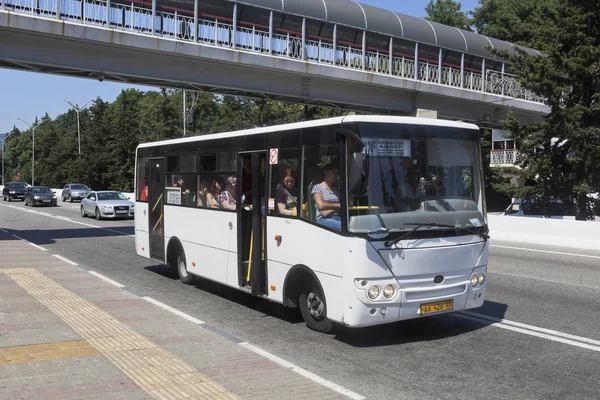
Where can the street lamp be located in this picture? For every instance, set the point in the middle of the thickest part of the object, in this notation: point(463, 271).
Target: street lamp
point(32, 127)
point(4, 153)
point(77, 110)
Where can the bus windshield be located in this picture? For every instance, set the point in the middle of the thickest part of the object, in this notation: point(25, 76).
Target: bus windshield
point(417, 174)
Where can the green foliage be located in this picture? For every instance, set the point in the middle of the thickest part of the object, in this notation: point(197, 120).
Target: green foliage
point(448, 12)
point(110, 133)
point(563, 150)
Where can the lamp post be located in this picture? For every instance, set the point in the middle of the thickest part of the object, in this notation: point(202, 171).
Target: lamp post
point(32, 127)
point(77, 110)
point(4, 153)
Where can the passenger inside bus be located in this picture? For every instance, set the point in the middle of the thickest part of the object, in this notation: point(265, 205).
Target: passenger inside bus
point(327, 198)
point(286, 193)
point(203, 192)
point(228, 196)
point(406, 192)
point(247, 179)
point(212, 198)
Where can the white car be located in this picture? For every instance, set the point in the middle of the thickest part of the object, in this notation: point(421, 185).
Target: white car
point(107, 204)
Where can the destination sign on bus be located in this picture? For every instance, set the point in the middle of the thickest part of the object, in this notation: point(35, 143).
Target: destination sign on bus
point(388, 147)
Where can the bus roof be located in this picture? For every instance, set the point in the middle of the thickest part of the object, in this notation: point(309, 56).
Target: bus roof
point(316, 123)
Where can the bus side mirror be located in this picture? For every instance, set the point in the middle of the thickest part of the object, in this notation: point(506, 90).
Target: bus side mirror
point(358, 174)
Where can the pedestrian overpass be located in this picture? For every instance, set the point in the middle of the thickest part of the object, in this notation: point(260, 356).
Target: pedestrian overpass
point(325, 52)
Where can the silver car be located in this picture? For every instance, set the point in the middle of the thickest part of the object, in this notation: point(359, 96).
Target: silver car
point(74, 191)
point(107, 204)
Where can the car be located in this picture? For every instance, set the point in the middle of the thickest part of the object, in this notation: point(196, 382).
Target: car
point(555, 209)
point(107, 204)
point(74, 191)
point(40, 195)
point(14, 190)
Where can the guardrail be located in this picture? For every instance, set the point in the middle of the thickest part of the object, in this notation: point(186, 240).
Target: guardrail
point(256, 39)
point(512, 156)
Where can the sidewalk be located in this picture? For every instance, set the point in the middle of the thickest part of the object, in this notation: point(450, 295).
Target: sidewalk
point(67, 334)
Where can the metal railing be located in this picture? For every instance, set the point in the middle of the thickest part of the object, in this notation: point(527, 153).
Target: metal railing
point(500, 157)
point(129, 17)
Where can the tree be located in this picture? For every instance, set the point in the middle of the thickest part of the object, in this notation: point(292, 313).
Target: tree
point(448, 12)
point(563, 151)
point(516, 21)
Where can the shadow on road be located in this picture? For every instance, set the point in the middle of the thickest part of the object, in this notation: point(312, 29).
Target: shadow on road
point(419, 330)
point(263, 306)
point(49, 236)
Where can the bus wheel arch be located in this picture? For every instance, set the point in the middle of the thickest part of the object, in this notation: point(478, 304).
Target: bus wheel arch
point(176, 258)
point(303, 289)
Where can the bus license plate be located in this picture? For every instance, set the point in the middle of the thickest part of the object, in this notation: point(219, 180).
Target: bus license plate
point(438, 306)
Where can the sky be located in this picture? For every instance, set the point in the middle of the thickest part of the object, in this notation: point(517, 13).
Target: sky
point(26, 95)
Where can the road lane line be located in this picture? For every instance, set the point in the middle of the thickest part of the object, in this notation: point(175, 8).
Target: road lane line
point(104, 278)
point(5, 231)
point(67, 219)
point(545, 251)
point(532, 328)
point(558, 338)
point(36, 246)
point(65, 259)
point(303, 372)
point(173, 310)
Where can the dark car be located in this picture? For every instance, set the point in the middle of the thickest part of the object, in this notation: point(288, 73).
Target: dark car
point(74, 191)
point(40, 195)
point(14, 190)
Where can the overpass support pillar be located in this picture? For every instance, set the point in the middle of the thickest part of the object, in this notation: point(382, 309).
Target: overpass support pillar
point(391, 59)
point(270, 32)
point(416, 76)
point(153, 17)
point(483, 75)
point(195, 21)
point(304, 41)
point(440, 64)
point(364, 50)
point(234, 33)
point(462, 71)
point(334, 44)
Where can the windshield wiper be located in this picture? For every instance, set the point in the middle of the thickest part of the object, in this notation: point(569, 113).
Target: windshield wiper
point(483, 235)
point(418, 226)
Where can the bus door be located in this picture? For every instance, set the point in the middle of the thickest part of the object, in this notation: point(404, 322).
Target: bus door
point(252, 252)
point(156, 187)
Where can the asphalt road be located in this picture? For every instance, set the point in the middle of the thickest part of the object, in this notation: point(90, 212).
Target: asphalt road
point(545, 294)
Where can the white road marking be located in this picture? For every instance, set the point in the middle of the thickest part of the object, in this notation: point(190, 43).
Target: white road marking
point(544, 251)
point(67, 219)
point(37, 247)
point(65, 259)
point(303, 372)
point(104, 278)
point(531, 330)
point(3, 230)
point(173, 310)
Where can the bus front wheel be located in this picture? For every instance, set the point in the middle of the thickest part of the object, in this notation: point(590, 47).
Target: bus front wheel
point(314, 309)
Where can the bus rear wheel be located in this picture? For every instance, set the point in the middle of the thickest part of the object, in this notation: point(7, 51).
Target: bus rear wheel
point(184, 275)
point(314, 309)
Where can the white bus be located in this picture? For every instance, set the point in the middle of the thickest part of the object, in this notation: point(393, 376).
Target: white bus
point(358, 220)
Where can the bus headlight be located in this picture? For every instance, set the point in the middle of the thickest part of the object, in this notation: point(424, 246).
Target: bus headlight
point(481, 278)
point(474, 280)
point(389, 291)
point(373, 292)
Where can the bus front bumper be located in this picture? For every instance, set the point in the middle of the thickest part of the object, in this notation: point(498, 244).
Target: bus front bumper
point(410, 302)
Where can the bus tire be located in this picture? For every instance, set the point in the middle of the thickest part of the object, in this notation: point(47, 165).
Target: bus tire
point(314, 308)
point(184, 275)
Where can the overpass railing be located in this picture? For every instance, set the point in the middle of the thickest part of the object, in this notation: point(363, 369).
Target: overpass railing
point(129, 17)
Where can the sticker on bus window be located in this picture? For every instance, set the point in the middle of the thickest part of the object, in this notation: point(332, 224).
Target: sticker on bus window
point(475, 222)
point(173, 196)
point(274, 156)
point(271, 203)
point(387, 147)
